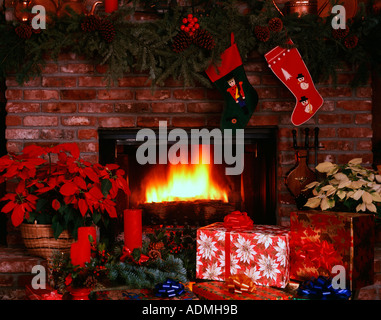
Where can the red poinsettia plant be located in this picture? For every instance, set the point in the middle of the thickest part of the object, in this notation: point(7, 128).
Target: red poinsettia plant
point(54, 185)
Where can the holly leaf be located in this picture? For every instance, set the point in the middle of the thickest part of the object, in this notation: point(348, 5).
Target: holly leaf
point(136, 253)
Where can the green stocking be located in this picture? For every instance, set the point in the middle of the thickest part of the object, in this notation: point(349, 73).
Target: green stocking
point(231, 80)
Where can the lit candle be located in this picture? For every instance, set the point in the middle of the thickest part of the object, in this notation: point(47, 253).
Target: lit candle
point(133, 228)
point(111, 5)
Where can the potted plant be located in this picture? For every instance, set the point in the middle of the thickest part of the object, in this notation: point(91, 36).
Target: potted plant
point(349, 187)
point(57, 191)
point(339, 231)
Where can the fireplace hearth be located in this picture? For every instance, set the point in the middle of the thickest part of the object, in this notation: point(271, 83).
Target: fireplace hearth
point(253, 191)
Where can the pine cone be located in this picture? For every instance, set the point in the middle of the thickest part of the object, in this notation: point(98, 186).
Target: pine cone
point(181, 42)
point(90, 282)
point(203, 39)
point(340, 33)
point(107, 30)
point(275, 24)
point(24, 31)
point(262, 33)
point(351, 42)
point(156, 245)
point(90, 23)
point(154, 254)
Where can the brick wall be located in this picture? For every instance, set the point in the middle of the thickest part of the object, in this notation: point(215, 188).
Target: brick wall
point(70, 101)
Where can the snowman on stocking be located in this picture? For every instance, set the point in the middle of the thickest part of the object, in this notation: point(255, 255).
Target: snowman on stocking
point(289, 67)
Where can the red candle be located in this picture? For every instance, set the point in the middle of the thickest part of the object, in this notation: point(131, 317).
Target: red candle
point(85, 232)
point(111, 5)
point(80, 253)
point(133, 228)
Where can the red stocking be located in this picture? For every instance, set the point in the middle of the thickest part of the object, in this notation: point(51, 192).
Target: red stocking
point(289, 67)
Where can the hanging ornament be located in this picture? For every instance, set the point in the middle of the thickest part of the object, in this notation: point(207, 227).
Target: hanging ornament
point(190, 25)
point(107, 30)
point(24, 31)
point(203, 39)
point(275, 25)
point(262, 33)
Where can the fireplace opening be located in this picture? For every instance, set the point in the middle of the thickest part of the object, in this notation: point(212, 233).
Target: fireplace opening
point(195, 193)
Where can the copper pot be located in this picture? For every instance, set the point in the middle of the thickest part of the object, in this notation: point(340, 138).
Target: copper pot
point(301, 7)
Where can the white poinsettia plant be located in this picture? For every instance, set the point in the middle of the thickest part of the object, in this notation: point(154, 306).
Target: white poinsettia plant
point(349, 187)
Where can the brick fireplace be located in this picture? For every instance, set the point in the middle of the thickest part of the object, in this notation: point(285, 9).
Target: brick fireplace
point(70, 102)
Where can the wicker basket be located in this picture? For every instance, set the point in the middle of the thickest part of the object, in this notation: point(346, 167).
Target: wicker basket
point(39, 240)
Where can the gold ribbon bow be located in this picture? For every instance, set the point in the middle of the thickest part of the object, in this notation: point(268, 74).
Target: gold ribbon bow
point(239, 283)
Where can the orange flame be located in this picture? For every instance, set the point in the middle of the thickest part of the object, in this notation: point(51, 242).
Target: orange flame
point(185, 183)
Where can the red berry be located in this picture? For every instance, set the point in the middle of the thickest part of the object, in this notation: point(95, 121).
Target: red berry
point(193, 29)
point(186, 29)
point(190, 16)
point(195, 19)
point(197, 26)
point(182, 27)
point(185, 20)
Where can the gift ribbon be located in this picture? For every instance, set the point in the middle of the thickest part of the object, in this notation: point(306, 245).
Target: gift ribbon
point(239, 283)
point(237, 220)
point(169, 289)
point(234, 220)
point(127, 253)
point(321, 288)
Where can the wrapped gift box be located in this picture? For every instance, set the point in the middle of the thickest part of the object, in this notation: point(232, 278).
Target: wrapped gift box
point(215, 290)
point(321, 240)
point(261, 252)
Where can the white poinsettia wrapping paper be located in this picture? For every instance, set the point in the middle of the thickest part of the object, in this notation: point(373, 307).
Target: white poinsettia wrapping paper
point(261, 252)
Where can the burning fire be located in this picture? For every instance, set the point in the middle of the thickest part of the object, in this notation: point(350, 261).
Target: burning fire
point(185, 183)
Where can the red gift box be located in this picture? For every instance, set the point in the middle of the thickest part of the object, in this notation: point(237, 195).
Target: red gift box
point(321, 240)
point(215, 290)
point(259, 251)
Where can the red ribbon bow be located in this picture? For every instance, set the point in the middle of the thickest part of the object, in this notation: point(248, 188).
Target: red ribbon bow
point(237, 220)
point(127, 253)
point(234, 220)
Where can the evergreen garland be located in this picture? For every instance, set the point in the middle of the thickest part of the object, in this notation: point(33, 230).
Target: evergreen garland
point(147, 47)
point(147, 276)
